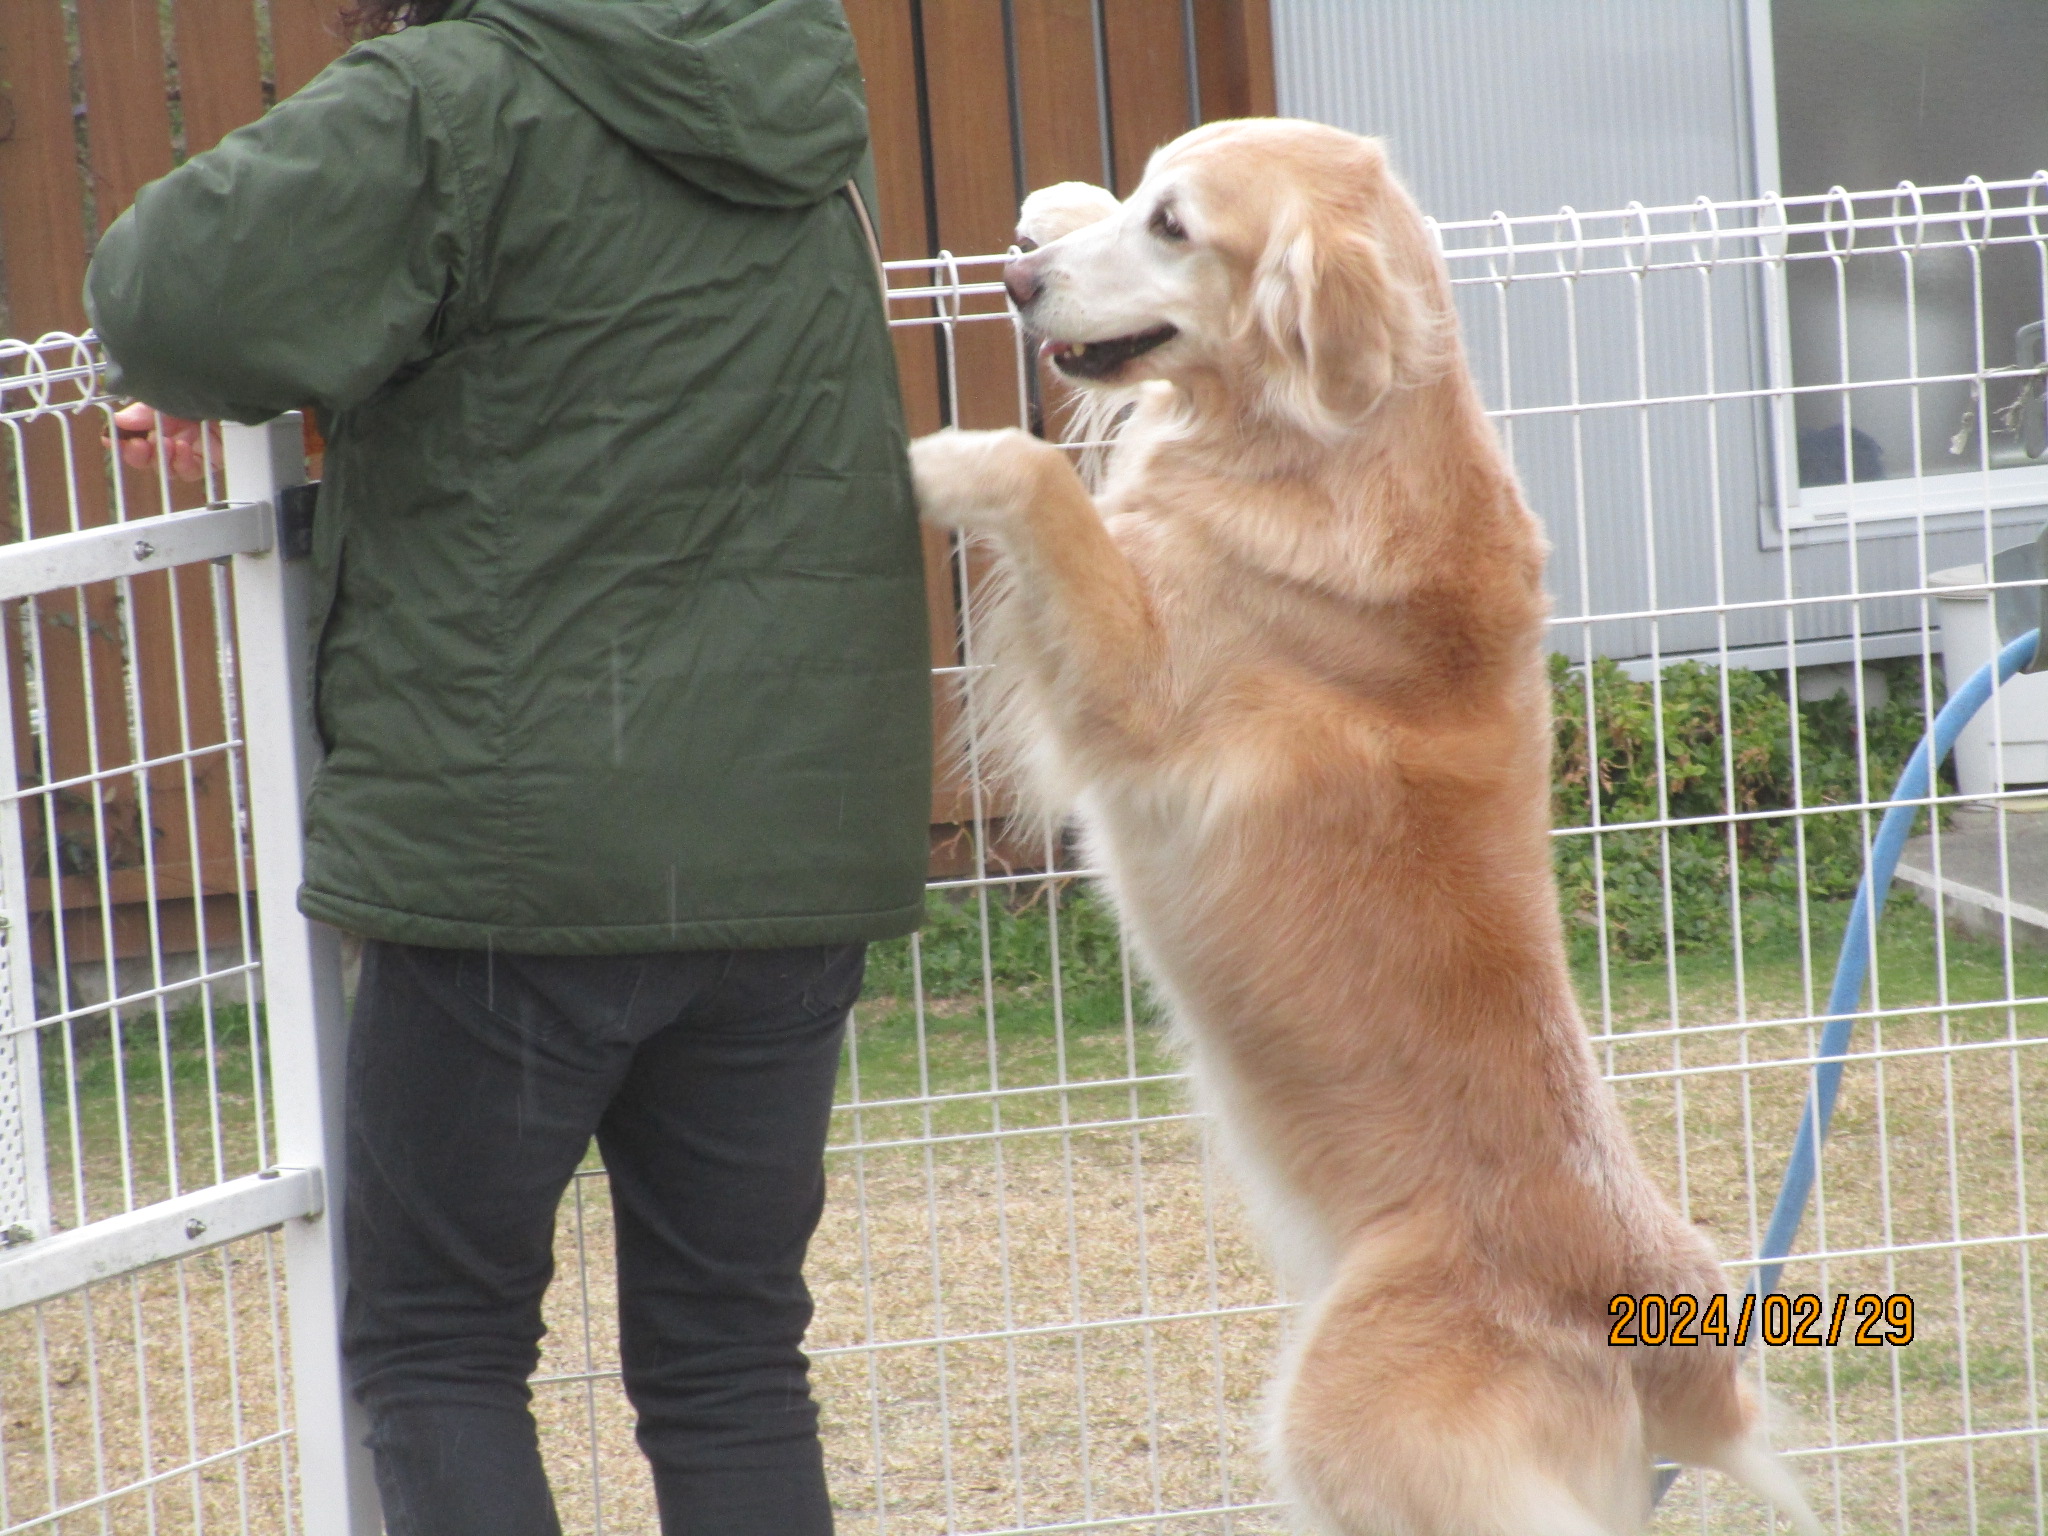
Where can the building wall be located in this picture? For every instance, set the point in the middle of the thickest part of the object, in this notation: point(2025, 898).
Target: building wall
point(1520, 107)
point(1508, 105)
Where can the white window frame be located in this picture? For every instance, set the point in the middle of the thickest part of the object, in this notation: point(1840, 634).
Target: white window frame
point(1964, 491)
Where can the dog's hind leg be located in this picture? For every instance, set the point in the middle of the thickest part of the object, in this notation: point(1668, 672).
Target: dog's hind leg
point(1408, 1410)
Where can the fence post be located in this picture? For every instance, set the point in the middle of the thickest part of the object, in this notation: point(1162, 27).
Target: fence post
point(24, 1154)
point(301, 985)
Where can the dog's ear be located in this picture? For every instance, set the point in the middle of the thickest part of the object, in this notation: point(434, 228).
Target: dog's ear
point(1338, 327)
point(1061, 209)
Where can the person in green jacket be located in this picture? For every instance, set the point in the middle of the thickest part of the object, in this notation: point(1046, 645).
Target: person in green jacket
point(620, 673)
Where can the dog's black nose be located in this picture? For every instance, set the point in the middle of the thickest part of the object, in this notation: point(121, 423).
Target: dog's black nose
point(1023, 282)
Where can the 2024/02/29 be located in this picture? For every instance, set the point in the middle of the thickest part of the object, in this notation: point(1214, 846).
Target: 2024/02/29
point(1779, 1319)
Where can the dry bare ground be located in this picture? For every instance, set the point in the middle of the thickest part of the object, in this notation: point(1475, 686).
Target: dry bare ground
point(1006, 1244)
point(1125, 1419)
point(111, 1387)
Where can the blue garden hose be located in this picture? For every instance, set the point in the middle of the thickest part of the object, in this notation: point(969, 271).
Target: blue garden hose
point(1858, 940)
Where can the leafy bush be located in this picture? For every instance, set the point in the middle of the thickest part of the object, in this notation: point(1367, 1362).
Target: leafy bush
point(1709, 772)
point(1019, 943)
point(1706, 773)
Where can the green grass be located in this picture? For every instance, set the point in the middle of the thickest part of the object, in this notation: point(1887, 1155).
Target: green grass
point(1035, 1013)
point(1009, 1017)
point(1029, 1017)
point(137, 1109)
point(1004, 1015)
point(1777, 979)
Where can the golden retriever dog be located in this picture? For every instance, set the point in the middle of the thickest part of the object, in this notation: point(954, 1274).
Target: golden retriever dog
point(1285, 667)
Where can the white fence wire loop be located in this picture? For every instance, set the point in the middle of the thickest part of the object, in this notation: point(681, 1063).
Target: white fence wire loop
point(36, 368)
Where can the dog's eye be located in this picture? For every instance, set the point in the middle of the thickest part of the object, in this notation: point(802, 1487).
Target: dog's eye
point(1166, 226)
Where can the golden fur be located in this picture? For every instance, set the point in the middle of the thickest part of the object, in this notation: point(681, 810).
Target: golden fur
point(1287, 670)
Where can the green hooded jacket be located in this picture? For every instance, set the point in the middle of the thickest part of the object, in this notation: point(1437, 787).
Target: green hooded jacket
point(621, 636)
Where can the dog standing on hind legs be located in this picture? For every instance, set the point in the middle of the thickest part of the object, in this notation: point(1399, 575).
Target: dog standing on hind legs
point(1285, 667)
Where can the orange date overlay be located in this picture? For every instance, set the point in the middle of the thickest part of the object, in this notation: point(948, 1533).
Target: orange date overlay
point(1776, 1319)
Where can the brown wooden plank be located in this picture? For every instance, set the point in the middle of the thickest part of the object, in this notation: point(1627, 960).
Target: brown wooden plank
point(189, 801)
point(1234, 47)
point(128, 136)
point(128, 132)
point(1060, 107)
point(1058, 83)
point(969, 89)
point(305, 37)
point(220, 71)
point(127, 107)
point(42, 219)
point(1148, 81)
point(882, 30)
point(973, 176)
point(975, 192)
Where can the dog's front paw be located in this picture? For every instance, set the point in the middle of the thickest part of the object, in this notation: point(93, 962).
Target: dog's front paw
point(977, 481)
point(1053, 211)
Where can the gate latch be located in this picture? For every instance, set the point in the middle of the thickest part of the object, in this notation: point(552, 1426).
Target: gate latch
point(295, 507)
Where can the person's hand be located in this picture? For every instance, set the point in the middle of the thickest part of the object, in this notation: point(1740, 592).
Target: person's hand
point(140, 430)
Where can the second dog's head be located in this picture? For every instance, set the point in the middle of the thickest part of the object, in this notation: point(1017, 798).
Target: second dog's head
point(1278, 262)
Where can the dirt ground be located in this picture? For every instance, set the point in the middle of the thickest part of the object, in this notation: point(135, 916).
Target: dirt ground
point(1057, 1425)
point(1122, 1420)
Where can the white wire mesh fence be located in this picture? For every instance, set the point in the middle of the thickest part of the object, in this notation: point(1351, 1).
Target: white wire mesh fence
point(129, 1044)
point(146, 1154)
point(1770, 440)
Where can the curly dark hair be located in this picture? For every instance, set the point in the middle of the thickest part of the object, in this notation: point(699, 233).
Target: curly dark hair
point(374, 18)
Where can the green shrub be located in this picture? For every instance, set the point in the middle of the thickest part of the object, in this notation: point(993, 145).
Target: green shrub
point(1708, 772)
point(1019, 944)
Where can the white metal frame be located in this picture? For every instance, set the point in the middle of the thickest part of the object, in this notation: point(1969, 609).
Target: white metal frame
point(1756, 1046)
point(267, 756)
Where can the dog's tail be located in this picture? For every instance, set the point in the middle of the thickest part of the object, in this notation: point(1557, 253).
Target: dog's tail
point(1757, 1467)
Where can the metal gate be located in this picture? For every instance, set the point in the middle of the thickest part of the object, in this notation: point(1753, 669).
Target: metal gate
point(168, 1024)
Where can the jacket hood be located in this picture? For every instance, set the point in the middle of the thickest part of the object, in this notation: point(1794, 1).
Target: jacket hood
point(758, 101)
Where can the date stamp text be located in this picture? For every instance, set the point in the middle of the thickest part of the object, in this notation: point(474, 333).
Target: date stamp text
point(1776, 1319)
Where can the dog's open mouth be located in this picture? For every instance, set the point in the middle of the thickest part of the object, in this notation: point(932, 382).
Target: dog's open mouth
point(1099, 359)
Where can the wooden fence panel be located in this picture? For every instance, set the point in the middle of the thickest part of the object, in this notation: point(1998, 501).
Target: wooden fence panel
point(127, 105)
point(1148, 53)
point(304, 39)
point(1059, 71)
point(972, 103)
point(1234, 58)
point(974, 185)
point(220, 70)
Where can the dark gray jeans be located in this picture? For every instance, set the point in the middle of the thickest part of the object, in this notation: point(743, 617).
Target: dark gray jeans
point(476, 1082)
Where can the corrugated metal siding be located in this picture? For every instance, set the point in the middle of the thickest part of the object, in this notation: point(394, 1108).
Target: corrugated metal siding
point(1588, 102)
point(1524, 106)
